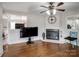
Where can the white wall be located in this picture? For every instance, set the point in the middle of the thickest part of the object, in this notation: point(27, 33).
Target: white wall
point(72, 13)
point(64, 32)
point(1, 26)
point(14, 35)
point(57, 25)
point(33, 20)
point(61, 24)
point(41, 22)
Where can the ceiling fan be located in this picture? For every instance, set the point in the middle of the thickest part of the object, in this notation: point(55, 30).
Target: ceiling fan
point(52, 7)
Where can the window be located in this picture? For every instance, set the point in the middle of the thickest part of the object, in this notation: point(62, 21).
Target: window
point(12, 25)
point(13, 18)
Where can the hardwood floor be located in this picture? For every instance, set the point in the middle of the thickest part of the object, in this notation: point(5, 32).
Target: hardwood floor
point(41, 49)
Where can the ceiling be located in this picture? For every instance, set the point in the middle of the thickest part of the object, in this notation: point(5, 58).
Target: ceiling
point(34, 7)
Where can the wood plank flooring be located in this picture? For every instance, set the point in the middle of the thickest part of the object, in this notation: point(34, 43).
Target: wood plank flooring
point(41, 49)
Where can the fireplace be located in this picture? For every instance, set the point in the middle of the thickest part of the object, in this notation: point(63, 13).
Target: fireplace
point(52, 34)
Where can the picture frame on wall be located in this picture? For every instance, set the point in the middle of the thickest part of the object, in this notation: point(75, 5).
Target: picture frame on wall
point(69, 26)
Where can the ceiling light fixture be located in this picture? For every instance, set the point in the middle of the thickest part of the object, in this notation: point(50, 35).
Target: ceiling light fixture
point(52, 9)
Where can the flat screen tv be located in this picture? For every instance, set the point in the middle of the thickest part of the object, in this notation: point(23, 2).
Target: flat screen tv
point(18, 25)
point(29, 32)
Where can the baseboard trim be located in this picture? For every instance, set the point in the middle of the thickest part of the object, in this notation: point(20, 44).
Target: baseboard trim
point(53, 41)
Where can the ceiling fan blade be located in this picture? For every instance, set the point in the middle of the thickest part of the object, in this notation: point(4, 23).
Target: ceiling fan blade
point(61, 10)
point(43, 11)
point(59, 4)
point(44, 6)
point(51, 3)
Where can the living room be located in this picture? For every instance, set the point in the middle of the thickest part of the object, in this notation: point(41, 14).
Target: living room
point(50, 35)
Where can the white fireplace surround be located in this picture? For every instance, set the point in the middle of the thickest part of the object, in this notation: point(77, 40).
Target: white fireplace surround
point(62, 33)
